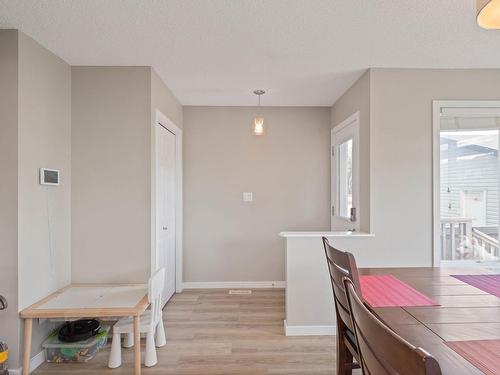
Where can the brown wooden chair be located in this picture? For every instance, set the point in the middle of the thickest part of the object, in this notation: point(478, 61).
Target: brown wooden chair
point(382, 351)
point(341, 265)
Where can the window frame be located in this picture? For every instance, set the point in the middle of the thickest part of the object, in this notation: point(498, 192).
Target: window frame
point(343, 132)
point(474, 108)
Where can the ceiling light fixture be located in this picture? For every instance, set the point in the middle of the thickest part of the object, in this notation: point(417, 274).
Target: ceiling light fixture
point(488, 14)
point(258, 121)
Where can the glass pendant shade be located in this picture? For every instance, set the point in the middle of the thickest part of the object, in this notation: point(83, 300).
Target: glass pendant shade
point(488, 14)
point(258, 121)
point(258, 125)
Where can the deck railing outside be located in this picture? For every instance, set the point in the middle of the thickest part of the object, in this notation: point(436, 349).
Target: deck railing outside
point(486, 242)
point(460, 241)
point(455, 231)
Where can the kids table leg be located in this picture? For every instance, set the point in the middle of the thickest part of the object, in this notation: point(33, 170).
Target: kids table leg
point(28, 327)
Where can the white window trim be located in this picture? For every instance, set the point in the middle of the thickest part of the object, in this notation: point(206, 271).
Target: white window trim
point(457, 107)
point(334, 200)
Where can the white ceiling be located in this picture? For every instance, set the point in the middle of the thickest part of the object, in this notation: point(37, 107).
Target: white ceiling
point(215, 52)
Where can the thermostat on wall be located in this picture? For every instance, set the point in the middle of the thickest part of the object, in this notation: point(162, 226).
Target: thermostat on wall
point(49, 176)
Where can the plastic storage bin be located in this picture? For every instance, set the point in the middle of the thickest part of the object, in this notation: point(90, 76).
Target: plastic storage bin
point(82, 351)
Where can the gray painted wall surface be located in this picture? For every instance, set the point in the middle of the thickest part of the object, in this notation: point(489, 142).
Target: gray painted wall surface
point(113, 110)
point(287, 170)
point(110, 158)
point(35, 132)
point(401, 158)
point(9, 319)
point(44, 212)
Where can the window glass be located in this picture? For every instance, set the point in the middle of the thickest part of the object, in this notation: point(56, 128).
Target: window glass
point(344, 178)
point(469, 192)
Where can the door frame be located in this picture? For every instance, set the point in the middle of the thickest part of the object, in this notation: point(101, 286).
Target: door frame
point(335, 220)
point(162, 120)
point(486, 108)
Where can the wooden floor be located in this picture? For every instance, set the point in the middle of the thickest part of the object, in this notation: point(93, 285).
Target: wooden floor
point(212, 332)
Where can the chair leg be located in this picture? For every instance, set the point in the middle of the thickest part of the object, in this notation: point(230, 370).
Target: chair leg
point(115, 356)
point(344, 356)
point(160, 339)
point(151, 358)
point(344, 360)
point(128, 342)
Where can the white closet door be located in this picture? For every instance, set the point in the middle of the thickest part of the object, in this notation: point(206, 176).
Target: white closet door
point(165, 198)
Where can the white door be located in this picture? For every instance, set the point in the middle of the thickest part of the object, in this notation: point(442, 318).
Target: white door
point(165, 210)
point(345, 175)
point(474, 206)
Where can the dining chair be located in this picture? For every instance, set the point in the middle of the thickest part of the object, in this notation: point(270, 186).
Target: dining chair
point(151, 324)
point(342, 264)
point(381, 350)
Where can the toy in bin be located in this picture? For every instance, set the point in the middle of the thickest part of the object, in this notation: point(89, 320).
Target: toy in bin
point(4, 356)
point(4, 350)
point(76, 341)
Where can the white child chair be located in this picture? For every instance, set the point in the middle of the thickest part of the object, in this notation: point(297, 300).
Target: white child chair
point(151, 325)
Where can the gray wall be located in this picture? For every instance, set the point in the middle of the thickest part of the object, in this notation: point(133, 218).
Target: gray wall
point(401, 159)
point(110, 139)
point(358, 98)
point(163, 100)
point(36, 131)
point(9, 319)
point(112, 114)
point(287, 170)
point(44, 212)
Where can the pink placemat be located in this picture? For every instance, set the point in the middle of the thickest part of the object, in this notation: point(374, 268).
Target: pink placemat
point(487, 283)
point(484, 354)
point(388, 291)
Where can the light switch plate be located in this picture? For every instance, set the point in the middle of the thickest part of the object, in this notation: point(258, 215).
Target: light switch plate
point(247, 196)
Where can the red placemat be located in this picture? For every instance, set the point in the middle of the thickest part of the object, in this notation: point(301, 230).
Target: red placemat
point(484, 354)
point(388, 291)
point(487, 283)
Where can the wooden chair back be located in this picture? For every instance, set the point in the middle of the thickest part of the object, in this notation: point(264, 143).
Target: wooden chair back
point(341, 264)
point(381, 350)
point(155, 290)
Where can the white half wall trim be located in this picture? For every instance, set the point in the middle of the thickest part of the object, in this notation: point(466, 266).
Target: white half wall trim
point(234, 284)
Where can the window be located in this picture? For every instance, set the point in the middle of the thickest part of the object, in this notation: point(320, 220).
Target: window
point(345, 174)
point(466, 182)
point(344, 178)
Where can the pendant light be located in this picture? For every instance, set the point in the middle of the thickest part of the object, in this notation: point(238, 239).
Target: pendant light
point(488, 14)
point(258, 121)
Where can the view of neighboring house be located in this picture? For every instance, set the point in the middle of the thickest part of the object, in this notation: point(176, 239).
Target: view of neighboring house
point(469, 194)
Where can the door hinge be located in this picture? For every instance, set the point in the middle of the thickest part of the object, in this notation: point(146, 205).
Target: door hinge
point(333, 210)
point(333, 150)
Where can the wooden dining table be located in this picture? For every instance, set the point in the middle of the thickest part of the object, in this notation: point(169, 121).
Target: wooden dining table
point(465, 313)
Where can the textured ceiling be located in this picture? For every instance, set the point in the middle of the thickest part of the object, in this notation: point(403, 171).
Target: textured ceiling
point(215, 52)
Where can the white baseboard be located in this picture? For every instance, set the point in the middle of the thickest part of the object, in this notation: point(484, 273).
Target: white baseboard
point(36, 361)
point(233, 284)
point(309, 330)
